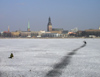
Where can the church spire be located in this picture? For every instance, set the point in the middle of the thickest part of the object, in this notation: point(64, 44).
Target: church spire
point(28, 24)
point(49, 19)
point(49, 22)
point(28, 29)
point(8, 29)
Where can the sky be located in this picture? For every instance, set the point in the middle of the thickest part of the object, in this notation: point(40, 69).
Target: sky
point(66, 14)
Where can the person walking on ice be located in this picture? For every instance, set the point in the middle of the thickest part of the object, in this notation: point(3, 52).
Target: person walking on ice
point(84, 42)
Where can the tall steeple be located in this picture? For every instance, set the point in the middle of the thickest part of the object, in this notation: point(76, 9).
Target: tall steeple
point(28, 29)
point(49, 21)
point(8, 29)
point(49, 26)
point(28, 24)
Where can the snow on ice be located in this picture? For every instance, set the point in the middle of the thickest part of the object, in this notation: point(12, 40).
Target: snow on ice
point(37, 57)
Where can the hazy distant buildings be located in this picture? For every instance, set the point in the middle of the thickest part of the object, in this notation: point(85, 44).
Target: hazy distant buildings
point(28, 33)
point(54, 32)
point(51, 32)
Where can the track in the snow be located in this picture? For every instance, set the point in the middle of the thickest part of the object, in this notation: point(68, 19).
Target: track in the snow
point(58, 68)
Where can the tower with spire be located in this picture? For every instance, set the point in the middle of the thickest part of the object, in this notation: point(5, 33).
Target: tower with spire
point(49, 26)
point(8, 29)
point(28, 29)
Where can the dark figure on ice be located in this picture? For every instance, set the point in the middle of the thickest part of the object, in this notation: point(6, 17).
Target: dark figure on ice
point(84, 42)
point(11, 55)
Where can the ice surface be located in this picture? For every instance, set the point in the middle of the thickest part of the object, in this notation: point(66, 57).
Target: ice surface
point(36, 57)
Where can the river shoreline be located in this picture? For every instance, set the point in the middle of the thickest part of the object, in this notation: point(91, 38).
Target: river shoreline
point(53, 38)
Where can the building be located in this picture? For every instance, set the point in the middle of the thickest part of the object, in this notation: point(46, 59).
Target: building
point(72, 34)
point(15, 34)
point(80, 33)
point(25, 34)
point(74, 30)
point(34, 33)
point(65, 33)
point(7, 33)
point(49, 25)
point(57, 29)
point(53, 30)
point(51, 35)
point(89, 33)
point(93, 32)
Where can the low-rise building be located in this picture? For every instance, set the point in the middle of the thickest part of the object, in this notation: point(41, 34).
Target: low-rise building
point(95, 32)
point(51, 35)
point(15, 34)
point(6, 34)
point(34, 33)
point(25, 34)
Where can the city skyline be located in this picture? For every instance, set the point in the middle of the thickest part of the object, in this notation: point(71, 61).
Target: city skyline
point(66, 14)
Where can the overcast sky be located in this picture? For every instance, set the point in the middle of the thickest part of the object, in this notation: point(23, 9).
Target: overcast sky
point(66, 14)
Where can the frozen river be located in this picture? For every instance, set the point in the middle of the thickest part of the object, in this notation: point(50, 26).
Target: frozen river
point(50, 58)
